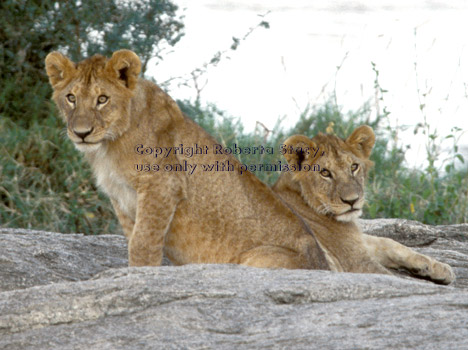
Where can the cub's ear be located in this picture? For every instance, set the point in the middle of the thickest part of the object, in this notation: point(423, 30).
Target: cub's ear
point(302, 149)
point(125, 66)
point(362, 140)
point(58, 68)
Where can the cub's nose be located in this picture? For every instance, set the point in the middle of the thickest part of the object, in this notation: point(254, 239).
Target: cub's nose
point(82, 133)
point(349, 201)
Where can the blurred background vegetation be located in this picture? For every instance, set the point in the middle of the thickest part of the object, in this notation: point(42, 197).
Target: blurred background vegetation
point(45, 184)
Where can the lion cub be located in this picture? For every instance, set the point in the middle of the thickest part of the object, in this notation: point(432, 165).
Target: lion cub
point(331, 200)
point(135, 137)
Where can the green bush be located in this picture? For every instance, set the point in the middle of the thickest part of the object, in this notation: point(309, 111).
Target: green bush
point(45, 183)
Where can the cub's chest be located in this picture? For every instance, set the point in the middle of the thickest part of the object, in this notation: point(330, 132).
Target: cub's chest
point(111, 180)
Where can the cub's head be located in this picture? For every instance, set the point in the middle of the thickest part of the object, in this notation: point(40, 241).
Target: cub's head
point(94, 95)
point(336, 189)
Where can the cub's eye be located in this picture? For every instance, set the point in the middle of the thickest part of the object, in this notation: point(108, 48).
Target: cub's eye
point(325, 173)
point(102, 99)
point(71, 98)
point(354, 167)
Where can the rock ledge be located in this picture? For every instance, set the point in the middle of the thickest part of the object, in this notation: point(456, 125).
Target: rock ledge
point(75, 292)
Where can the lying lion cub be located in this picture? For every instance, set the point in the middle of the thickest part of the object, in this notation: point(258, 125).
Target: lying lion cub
point(163, 199)
point(331, 200)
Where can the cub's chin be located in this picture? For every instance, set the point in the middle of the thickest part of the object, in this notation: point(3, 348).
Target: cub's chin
point(88, 147)
point(349, 216)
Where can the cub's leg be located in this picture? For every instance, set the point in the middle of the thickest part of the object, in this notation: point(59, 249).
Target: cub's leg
point(273, 257)
point(394, 255)
point(155, 211)
point(369, 265)
point(125, 221)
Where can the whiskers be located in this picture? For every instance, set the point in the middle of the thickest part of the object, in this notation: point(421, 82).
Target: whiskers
point(110, 135)
point(324, 209)
point(64, 133)
point(338, 211)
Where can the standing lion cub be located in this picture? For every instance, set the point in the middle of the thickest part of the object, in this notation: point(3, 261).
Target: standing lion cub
point(331, 200)
point(134, 136)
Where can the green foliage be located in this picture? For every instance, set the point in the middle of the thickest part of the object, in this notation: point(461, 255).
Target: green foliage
point(434, 195)
point(46, 184)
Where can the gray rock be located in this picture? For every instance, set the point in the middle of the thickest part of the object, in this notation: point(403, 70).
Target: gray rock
point(75, 292)
point(234, 307)
point(31, 258)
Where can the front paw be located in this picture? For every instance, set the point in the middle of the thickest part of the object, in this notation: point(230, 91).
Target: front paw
point(142, 253)
point(442, 273)
point(435, 271)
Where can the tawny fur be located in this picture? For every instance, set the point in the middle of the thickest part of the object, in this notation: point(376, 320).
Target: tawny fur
point(204, 217)
point(331, 200)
